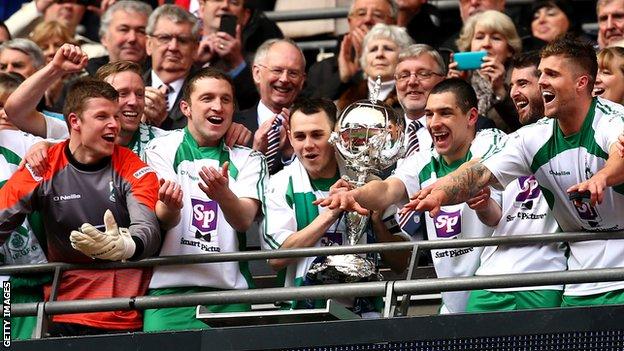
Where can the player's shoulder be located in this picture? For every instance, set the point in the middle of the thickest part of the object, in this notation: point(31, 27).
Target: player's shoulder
point(128, 164)
point(166, 139)
point(608, 111)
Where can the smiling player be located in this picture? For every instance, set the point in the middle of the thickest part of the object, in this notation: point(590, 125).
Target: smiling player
point(451, 113)
point(222, 192)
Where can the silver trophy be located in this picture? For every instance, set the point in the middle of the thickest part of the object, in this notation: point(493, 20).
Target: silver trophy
point(369, 139)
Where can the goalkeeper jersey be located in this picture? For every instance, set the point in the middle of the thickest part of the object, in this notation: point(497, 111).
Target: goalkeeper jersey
point(69, 194)
point(559, 162)
point(202, 228)
point(455, 221)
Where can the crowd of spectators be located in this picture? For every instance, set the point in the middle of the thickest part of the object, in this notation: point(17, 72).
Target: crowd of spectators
point(187, 127)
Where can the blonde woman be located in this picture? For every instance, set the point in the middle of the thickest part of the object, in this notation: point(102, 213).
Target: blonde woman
point(610, 78)
point(495, 33)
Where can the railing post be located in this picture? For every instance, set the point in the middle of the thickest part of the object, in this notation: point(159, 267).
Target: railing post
point(41, 325)
point(405, 300)
point(390, 301)
point(43, 321)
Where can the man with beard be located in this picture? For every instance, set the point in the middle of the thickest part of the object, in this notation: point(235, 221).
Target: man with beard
point(573, 156)
point(451, 117)
point(524, 211)
point(279, 74)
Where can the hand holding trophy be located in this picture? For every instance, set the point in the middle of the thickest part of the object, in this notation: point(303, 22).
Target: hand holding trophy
point(369, 139)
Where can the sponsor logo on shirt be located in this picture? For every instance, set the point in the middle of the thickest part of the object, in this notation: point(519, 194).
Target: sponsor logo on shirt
point(59, 198)
point(33, 174)
point(559, 173)
point(587, 213)
point(526, 216)
point(453, 252)
point(204, 216)
point(529, 191)
point(185, 173)
point(143, 171)
point(448, 224)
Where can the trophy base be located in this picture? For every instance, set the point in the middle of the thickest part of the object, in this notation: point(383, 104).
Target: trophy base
point(344, 269)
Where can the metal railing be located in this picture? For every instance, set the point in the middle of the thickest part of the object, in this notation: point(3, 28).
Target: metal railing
point(388, 289)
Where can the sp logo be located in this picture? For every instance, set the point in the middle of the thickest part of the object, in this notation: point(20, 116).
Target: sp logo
point(204, 215)
point(448, 224)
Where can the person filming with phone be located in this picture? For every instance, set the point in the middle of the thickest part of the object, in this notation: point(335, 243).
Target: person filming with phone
point(232, 32)
point(488, 40)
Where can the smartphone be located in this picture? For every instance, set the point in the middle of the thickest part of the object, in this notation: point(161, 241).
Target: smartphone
point(469, 60)
point(228, 24)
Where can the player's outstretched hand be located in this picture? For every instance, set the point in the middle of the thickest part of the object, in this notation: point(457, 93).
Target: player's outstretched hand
point(340, 198)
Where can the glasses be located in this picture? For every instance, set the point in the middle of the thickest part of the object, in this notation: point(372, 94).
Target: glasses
point(378, 16)
point(164, 39)
point(278, 72)
point(420, 75)
point(232, 2)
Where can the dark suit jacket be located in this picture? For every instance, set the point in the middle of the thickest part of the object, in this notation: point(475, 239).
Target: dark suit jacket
point(175, 118)
point(249, 118)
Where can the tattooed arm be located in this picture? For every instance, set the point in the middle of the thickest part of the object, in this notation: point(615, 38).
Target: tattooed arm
point(455, 188)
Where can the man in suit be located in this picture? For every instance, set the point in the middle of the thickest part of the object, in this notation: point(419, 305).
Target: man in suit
point(122, 32)
point(172, 41)
point(279, 74)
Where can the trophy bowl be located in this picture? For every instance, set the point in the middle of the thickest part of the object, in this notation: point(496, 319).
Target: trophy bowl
point(368, 139)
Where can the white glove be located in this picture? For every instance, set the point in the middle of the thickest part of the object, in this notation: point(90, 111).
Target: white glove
point(115, 244)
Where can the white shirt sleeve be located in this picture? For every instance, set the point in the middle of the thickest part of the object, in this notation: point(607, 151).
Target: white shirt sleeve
point(408, 171)
point(55, 128)
point(157, 156)
point(280, 221)
point(252, 177)
point(508, 161)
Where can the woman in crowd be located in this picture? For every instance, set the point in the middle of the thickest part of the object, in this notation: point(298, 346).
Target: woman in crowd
point(495, 33)
point(380, 55)
point(550, 19)
point(50, 36)
point(610, 78)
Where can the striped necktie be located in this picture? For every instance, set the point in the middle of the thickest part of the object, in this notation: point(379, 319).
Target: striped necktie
point(166, 89)
point(413, 144)
point(273, 141)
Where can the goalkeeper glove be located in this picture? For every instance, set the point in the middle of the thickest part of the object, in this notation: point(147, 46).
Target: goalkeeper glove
point(114, 244)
